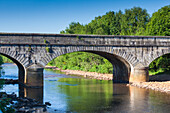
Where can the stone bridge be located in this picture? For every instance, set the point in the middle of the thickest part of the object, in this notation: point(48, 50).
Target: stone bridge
point(129, 55)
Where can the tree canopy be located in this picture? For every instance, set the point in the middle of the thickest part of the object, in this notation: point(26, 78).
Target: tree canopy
point(159, 23)
point(132, 22)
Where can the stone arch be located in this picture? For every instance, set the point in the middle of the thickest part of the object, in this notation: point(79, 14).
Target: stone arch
point(157, 55)
point(118, 58)
point(158, 77)
point(121, 68)
point(21, 68)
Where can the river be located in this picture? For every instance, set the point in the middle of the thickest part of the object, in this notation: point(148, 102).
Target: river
point(73, 94)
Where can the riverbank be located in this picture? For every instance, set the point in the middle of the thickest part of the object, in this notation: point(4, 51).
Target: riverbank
point(11, 103)
point(159, 82)
point(9, 81)
point(93, 75)
point(158, 86)
point(154, 83)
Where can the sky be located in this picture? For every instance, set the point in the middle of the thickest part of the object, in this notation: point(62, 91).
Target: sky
point(53, 16)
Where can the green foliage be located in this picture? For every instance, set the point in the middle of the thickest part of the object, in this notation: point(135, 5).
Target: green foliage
point(47, 49)
point(5, 105)
point(29, 48)
point(159, 23)
point(134, 21)
point(77, 37)
point(4, 59)
point(45, 41)
point(1, 60)
point(74, 28)
point(159, 65)
point(2, 82)
point(83, 61)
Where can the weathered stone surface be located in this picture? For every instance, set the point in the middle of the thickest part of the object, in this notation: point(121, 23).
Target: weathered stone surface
point(34, 75)
point(126, 53)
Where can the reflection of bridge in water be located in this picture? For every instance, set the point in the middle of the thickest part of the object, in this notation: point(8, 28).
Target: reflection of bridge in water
point(33, 93)
point(129, 55)
point(122, 98)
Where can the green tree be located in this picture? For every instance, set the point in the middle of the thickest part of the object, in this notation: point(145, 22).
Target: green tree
point(83, 61)
point(115, 26)
point(159, 23)
point(74, 28)
point(134, 21)
point(161, 63)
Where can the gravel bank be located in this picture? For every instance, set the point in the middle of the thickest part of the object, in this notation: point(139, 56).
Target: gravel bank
point(93, 75)
point(158, 86)
point(159, 82)
point(155, 83)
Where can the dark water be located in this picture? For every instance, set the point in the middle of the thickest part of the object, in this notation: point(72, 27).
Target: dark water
point(80, 95)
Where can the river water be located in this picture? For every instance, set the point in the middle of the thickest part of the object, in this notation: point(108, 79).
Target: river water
point(73, 94)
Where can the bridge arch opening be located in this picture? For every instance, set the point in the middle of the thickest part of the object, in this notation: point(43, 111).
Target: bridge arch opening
point(159, 68)
point(121, 69)
point(21, 69)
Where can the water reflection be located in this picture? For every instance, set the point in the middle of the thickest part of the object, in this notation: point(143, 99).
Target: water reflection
point(138, 99)
point(34, 93)
point(90, 95)
point(148, 101)
point(9, 71)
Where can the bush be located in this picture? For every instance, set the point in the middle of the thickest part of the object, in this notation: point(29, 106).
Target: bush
point(83, 61)
point(5, 105)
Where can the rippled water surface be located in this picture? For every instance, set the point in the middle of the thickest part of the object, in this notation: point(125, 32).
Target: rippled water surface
point(80, 95)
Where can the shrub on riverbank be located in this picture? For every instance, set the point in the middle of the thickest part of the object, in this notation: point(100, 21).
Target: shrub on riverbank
point(83, 61)
point(4, 59)
point(160, 65)
point(5, 105)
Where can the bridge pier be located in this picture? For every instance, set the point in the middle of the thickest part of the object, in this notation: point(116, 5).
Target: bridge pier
point(139, 74)
point(34, 76)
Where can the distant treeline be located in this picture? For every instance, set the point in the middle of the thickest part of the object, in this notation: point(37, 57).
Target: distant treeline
point(134, 21)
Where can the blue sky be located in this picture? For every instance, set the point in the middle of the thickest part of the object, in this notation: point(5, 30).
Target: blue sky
point(52, 16)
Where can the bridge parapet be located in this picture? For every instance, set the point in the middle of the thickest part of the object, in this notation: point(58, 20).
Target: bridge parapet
point(67, 39)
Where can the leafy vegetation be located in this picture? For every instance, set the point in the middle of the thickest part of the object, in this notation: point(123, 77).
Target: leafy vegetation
point(132, 22)
point(5, 106)
point(4, 59)
point(82, 61)
point(160, 65)
point(159, 24)
point(135, 21)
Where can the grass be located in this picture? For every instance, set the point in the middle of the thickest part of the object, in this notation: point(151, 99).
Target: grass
point(160, 71)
